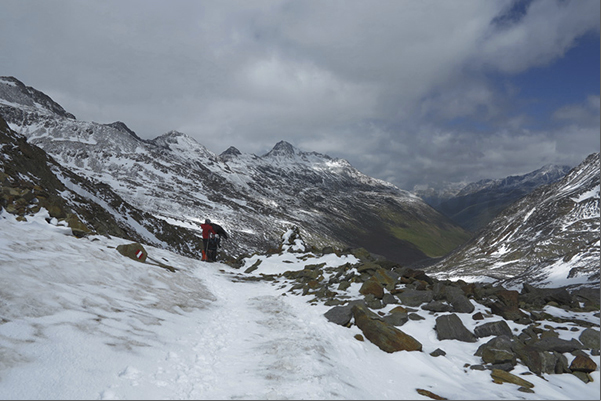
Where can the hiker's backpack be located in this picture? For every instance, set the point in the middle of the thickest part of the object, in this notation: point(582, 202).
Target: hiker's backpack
point(212, 246)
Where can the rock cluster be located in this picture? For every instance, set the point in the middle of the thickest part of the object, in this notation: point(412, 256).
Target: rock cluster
point(411, 293)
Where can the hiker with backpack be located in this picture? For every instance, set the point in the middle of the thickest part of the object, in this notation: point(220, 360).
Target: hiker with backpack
point(211, 239)
point(207, 231)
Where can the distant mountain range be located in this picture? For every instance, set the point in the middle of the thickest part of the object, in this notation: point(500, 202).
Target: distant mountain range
point(175, 179)
point(474, 205)
point(107, 179)
point(551, 234)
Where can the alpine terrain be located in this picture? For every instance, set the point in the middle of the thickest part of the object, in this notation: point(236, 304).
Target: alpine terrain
point(255, 198)
point(474, 205)
point(318, 294)
point(551, 233)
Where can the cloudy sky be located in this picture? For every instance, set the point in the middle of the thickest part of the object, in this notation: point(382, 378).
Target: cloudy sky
point(408, 91)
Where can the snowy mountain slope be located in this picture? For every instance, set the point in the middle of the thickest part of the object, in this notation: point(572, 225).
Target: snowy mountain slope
point(31, 180)
point(80, 321)
point(552, 231)
point(254, 198)
point(474, 205)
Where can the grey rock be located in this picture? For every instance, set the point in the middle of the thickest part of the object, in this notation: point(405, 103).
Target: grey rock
point(437, 306)
point(387, 337)
point(500, 343)
point(590, 338)
point(450, 327)
point(415, 297)
point(498, 356)
point(457, 298)
point(396, 319)
point(389, 299)
point(438, 352)
point(557, 344)
point(506, 366)
point(341, 315)
point(497, 328)
point(415, 316)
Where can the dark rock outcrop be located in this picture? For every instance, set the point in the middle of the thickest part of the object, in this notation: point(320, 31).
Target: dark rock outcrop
point(387, 337)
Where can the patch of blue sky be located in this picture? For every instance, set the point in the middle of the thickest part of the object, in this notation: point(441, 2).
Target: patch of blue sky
point(569, 80)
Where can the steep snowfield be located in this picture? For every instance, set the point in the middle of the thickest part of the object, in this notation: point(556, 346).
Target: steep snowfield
point(80, 321)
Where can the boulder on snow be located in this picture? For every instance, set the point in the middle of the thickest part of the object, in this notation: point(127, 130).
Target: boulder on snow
point(342, 315)
point(493, 329)
point(582, 363)
point(500, 376)
point(590, 338)
point(450, 327)
point(415, 297)
point(460, 303)
point(557, 344)
point(372, 286)
point(437, 306)
point(507, 305)
point(133, 251)
point(386, 279)
point(397, 316)
point(387, 337)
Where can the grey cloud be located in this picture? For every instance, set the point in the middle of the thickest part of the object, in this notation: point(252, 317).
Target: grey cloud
point(376, 83)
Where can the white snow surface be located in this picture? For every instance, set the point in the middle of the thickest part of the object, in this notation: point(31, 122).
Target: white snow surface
point(80, 321)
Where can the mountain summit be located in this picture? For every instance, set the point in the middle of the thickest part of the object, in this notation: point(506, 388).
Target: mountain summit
point(282, 149)
point(14, 91)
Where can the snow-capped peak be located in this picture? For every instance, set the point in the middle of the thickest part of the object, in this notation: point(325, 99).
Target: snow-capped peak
point(14, 93)
point(182, 144)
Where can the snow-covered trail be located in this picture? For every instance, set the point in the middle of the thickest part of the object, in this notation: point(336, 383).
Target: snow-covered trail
point(253, 344)
point(80, 321)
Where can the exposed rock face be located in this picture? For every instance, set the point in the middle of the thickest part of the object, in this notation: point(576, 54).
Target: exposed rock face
point(590, 338)
point(538, 346)
point(583, 363)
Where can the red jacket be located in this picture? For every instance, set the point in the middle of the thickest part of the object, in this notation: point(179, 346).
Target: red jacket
point(207, 229)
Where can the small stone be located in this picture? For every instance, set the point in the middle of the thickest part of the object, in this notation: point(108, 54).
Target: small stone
point(583, 363)
point(500, 377)
point(415, 316)
point(437, 352)
point(429, 394)
point(585, 377)
point(478, 316)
